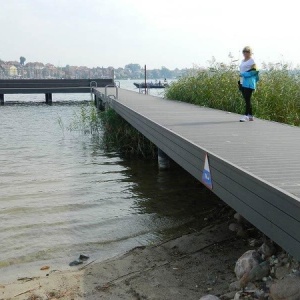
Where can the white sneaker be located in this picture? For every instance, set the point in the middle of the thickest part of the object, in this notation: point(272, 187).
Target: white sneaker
point(251, 118)
point(244, 119)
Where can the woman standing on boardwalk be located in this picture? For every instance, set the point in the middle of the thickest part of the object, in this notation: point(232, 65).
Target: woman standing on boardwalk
point(248, 80)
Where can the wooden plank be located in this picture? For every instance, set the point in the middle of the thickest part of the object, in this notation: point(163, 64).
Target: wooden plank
point(45, 90)
point(20, 83)
point(27, 86)
point(258, 199)
point(165, 142)
point(281, 237)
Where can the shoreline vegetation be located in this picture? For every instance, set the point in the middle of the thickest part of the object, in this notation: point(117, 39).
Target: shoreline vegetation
point(118, 135)
point(277, 97)
point(114, 134)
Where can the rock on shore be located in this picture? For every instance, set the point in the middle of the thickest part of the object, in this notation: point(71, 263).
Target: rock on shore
point(265, 273)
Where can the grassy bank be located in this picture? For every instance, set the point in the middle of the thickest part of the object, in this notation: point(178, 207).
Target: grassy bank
point(277, 97)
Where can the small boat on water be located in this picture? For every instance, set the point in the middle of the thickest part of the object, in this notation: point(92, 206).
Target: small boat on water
point(151, 85)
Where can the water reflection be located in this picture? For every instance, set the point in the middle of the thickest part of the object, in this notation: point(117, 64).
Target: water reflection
point(172, 195)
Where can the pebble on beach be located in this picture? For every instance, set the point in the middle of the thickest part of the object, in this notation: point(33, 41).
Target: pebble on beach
point(246, 263)
point(209, 297)
point(256, 273)
point(286, 289)
point(235, 286)
point(267, 249)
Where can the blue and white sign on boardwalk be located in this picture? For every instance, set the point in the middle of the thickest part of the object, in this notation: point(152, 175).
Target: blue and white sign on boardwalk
point(206, 176)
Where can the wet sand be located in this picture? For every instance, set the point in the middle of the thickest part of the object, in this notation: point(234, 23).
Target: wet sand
point(187, 267)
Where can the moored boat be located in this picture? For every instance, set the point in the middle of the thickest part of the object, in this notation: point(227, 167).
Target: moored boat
point(151, 85)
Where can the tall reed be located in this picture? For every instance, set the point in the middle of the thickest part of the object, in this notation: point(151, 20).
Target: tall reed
point(277, 97)
point(113, 132)
point(87, 120)
point(118, 135)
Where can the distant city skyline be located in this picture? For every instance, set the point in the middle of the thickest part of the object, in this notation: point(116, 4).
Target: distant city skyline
point(17, 60)
point(156, 33)
point(37, 70)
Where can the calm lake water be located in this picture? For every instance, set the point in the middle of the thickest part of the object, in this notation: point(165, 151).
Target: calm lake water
point(61, 195)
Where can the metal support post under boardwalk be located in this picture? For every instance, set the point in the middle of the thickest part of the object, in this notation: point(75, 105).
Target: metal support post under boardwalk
point(163, 160)
point(99, 103)
point(1, 99)
point(48, 98)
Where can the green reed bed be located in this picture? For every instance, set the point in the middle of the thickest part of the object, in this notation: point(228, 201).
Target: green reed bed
point(114, 133)
point(277, 97)
point(87, 120)
point(120, 136)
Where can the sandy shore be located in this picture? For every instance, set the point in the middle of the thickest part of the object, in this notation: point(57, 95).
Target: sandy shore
point(183, 268)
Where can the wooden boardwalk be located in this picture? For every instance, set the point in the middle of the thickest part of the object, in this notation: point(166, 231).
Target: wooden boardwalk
point(254, 166)
point(49, 86)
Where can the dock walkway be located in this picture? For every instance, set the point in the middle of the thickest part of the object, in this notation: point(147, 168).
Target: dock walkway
point(49, 86)
point(254, 166)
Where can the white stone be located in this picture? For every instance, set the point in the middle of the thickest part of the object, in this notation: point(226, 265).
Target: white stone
point(237, 296)
point(228, 296)
point(209, 297)
point(245, 263)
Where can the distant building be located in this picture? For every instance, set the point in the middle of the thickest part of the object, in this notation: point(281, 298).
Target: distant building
point(13, 71)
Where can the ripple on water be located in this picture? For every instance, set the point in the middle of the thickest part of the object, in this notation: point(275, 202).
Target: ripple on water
point(61, 195)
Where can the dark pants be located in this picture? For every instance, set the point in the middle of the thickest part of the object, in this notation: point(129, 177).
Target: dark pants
point(247, 93)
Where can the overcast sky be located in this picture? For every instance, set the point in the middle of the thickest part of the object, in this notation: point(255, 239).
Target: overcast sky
point(157, 33)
